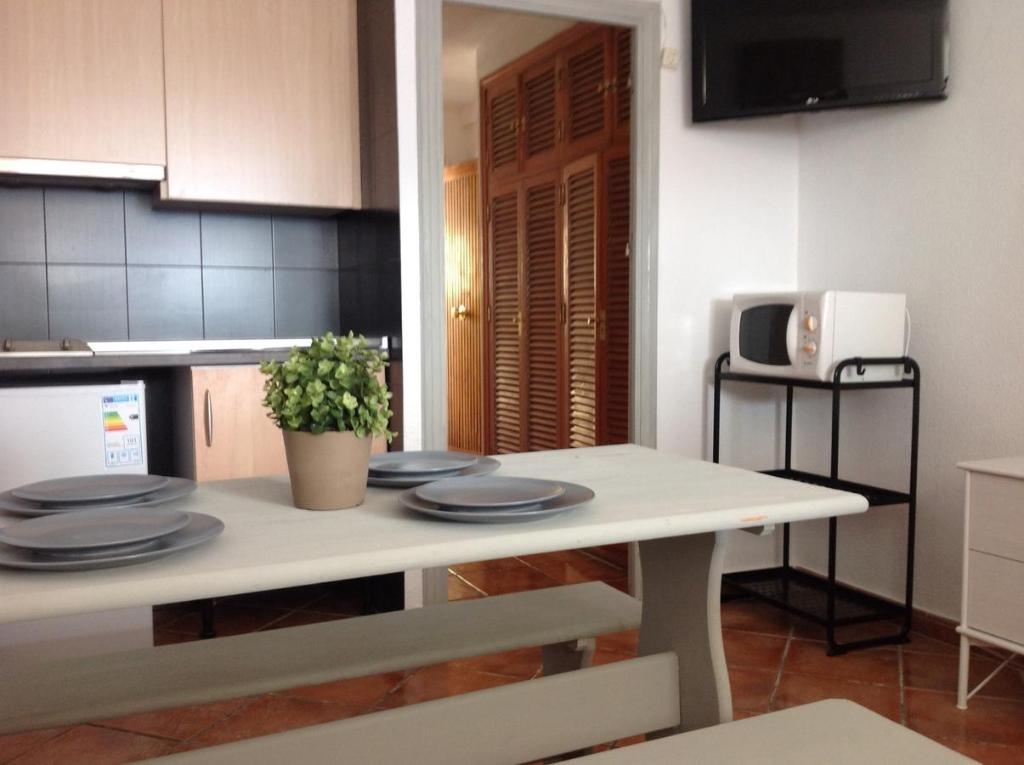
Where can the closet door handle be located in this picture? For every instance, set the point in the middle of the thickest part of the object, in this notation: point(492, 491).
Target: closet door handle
point(208, 420)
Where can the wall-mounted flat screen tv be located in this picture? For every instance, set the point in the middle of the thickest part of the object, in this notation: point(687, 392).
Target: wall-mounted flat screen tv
point(754, 57)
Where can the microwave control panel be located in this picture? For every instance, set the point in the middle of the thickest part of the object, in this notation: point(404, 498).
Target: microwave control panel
point(809, 336)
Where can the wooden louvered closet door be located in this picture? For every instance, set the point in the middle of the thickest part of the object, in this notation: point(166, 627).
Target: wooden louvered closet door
point(542, 264)
point(540, 121)
point(506, 374)
point(502, 127)
point(580, 295)
point(587, 79)
point(622, 83)
point(613, 313)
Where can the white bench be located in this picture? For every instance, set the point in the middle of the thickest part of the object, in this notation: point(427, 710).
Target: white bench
point(568, 712)
point(562, 619)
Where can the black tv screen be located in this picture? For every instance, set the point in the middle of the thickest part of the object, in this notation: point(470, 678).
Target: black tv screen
point(754, 57)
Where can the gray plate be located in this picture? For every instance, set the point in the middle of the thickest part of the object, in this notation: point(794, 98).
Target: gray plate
point(395, 464)
point(176, 488)
point(201, 528)
point(574, 496)
point(482, 466)
point(489, 493)
point(82, 489)
point(88, 529)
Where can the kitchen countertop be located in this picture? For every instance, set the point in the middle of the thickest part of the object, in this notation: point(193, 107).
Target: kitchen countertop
point(112, 362)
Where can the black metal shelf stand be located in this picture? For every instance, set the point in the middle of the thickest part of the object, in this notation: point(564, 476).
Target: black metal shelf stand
point(822, 599)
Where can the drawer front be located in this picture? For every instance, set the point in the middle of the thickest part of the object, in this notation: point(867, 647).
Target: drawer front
point(997, 515)
point(996, 596)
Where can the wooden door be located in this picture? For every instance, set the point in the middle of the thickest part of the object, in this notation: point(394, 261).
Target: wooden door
point(82, 80)
point(501, 124)
point(542, 303)
point(262, 102)
point(613, 311)
point(580, 234)
point(541, 121)
point(507, 382)
point(586, 72)
point(622, 83)
point(464, 301)
point(232, 437)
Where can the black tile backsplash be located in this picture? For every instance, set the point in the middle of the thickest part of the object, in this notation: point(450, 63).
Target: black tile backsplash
point(104, 265)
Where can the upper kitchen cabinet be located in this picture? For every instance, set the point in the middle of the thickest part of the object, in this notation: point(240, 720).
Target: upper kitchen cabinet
point(81, 88)
point(262, 102)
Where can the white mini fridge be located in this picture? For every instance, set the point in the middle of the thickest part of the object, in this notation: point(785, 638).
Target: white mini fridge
point(64, 430)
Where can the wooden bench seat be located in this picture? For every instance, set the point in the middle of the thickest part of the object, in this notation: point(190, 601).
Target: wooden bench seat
point(836, 731)
point(97, 687)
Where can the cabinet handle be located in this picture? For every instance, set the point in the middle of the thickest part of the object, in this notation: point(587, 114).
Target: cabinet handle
point(209, 418)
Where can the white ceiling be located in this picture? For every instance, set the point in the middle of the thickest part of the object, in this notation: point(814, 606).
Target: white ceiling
point(478, 41)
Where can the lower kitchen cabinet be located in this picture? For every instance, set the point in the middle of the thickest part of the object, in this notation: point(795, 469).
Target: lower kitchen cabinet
point(223, 428)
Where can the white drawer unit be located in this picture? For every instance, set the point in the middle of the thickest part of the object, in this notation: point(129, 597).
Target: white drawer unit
point(992, 610)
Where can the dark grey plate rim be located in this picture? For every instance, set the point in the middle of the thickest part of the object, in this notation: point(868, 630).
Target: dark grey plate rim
point(543, 491)
point(456, 461)
point(174, 520)
point(574, 497)
point(31, 492)
point(200, 529)
point(483, 466)
point(176, 488)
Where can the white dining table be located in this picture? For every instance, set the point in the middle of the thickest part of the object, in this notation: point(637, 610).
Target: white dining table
point(676, 508)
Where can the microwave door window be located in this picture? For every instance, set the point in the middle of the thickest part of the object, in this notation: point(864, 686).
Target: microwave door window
point(763, 334)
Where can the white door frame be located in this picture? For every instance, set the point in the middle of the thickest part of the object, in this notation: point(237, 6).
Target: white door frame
point(421, 204)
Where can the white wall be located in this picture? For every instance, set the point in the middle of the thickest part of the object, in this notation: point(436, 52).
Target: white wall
point(928, 199)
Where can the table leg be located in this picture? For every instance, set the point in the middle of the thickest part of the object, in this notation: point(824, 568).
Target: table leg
point(566, 657)
point(962, 680)
point(682, 583)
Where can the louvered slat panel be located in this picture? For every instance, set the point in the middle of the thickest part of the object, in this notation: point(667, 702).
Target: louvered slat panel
point(463, 286)
point(617, 289)
point(581, 300)
point(623, 76)
point(586, 91)
point(541, 128)
point(502, 123)
point(542, 301)
point(505, 307)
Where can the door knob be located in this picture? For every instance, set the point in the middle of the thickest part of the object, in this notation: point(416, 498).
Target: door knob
point(459, 312)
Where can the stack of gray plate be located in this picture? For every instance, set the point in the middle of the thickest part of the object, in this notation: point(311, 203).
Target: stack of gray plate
point(402, 470)
point(496, 499)
point(99, 521)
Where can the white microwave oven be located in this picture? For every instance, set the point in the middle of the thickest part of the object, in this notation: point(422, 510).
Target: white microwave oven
point(806, 334)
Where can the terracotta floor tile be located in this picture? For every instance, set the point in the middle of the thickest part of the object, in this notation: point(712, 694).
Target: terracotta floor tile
point(877, 665)
point(507, 575)
point(796, 689)
point(808, 630)
point(170, 612)
point(987, 754)
point(750, 649)
point(939, 672)
point(440, 681)
point(621, 584)
point(620, 642)
point(617, 555)
point(230, 618)
point(573, 566)
point(89, 745)
point(610, 657)
point(359, 693)
point(755, 616)
point(751, 688)
point(165, 636)
point(302, 618)
point(986, 720)
point(459, 590)
point(344, 601)
point(286, 599)
point(921, 643)
point(523, 664)
point(179, 724)
point(18, 743)
point(272, 714)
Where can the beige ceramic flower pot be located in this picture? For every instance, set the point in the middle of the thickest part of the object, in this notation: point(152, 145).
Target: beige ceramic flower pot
point(327, 470)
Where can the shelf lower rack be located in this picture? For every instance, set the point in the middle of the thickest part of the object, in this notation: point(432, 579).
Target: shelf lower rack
point(806, 595)
point(875, 495)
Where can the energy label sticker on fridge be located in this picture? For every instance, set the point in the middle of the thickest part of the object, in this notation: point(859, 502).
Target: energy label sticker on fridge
point(122, 430)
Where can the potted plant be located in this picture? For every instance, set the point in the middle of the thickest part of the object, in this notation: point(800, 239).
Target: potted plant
point(329, 403)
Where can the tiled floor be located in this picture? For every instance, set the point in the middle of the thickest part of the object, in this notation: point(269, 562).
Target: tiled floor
point(774, 662)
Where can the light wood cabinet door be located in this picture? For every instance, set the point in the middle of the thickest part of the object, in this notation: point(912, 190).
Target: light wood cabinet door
point(81, 80)
point(262, 102)
point(231, 435)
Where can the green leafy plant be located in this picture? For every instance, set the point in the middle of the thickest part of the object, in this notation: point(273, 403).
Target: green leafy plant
point(331, 385)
